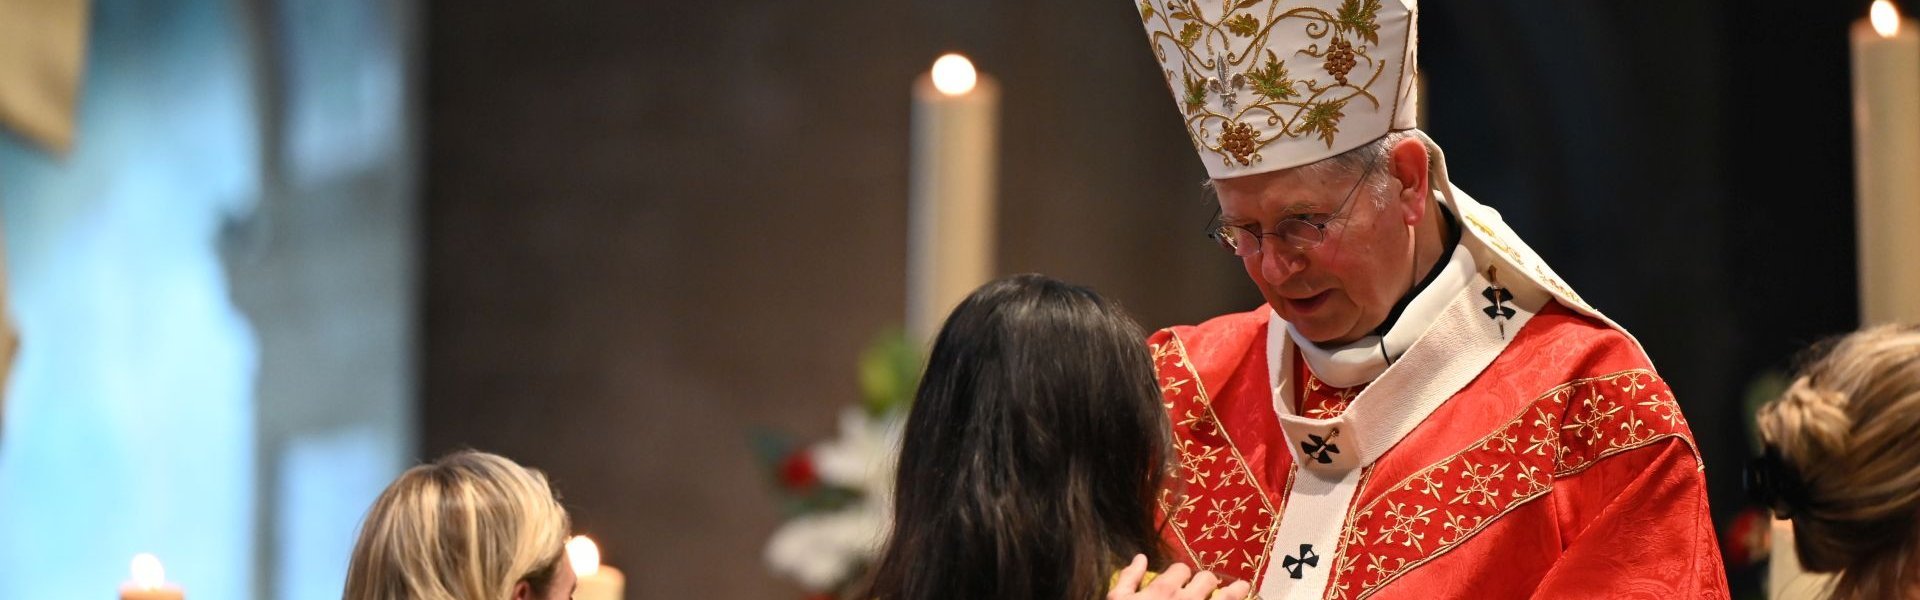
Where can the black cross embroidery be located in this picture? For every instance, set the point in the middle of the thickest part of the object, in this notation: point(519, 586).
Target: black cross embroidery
point(1321, 449)
point(1296, 567)
point(1498, 296)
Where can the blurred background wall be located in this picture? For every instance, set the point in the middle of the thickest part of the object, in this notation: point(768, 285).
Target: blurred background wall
point(301, 245)
point(652, 226)
point(216, 292)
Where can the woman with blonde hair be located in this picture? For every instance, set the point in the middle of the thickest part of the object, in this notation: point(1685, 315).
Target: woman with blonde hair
point(470, 526)
point(1842, 460)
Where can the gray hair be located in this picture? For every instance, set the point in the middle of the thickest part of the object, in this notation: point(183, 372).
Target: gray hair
point(1353, 163)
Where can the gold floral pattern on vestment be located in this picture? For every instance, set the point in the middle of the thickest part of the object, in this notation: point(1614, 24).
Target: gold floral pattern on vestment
point(1570, 428)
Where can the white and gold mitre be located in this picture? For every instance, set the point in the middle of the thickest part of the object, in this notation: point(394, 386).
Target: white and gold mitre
point(1266, 85)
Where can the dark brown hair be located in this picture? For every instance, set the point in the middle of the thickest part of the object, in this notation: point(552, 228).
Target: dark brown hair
point(1032, 453)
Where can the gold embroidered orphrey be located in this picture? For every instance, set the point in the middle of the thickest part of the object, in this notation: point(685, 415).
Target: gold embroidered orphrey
point(1292, 106)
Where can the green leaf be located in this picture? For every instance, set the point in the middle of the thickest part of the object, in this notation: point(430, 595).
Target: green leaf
point(1146, 11)
point(1243, 25)
point(889, 373)
point(1323, 118)
point(1189, 34)
point(1196, 93)
point(1271, 80)
point(1361, 18)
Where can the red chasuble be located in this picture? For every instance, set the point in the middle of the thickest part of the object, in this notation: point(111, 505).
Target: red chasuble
point(1561, 469)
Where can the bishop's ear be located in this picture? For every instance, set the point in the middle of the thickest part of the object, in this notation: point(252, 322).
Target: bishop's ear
point(1410, 168)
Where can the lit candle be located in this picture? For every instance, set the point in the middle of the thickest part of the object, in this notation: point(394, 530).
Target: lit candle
point(951, 213)
point(597, 581)
point(149, 581)
point(1886, 117)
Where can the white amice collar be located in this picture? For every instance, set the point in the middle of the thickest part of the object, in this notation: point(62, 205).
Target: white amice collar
point(1363, 360)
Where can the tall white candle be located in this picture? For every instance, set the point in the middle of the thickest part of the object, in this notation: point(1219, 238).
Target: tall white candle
point(951, 211)
point(149, 581)
point(595, 581)
point(1886, 116)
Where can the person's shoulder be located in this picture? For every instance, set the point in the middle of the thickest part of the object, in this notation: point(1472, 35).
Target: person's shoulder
point(1584, 343)
point(1242, 326)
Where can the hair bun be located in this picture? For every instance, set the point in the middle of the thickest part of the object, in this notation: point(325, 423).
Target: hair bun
point(1818, 417)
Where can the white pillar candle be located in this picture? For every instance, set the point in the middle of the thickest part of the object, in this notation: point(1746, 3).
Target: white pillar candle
point(149, 581)
point(1886, 116)
point(951, 210)
point(596, 581)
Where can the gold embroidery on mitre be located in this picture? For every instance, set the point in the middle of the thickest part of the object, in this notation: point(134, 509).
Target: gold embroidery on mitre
point(1239, 50)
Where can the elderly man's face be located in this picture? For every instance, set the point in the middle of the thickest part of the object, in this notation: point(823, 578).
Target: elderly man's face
point(1342, 289)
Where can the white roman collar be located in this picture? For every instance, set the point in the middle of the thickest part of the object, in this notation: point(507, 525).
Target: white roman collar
point(1363, 360)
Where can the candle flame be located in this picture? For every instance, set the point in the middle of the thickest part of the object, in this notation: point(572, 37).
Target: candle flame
point(1885, 18)
point(953, 75)
point(147, 572)
point(584, 555)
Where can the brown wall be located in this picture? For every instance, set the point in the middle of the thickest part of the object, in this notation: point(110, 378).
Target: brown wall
point(651, 228)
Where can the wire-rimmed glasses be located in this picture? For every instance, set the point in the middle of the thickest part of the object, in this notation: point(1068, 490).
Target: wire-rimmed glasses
point(1300, 232)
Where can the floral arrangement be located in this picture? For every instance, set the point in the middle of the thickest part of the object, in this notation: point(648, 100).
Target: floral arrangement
point(838, 493)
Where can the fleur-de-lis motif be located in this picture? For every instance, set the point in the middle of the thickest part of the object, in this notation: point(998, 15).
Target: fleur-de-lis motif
point(1665, 408)
point(1250, 562)
point(1225, 516)
point(1459, 524)
point(1479, 487)
point(1428, 484)
point(1194, 458)
point(1227, 87)
point(1587, 425)
point(1535, 480)
point(1405, 524)
point(1177, 507)
point(1296, 566)
point(1503, 441)
point(1265, 526)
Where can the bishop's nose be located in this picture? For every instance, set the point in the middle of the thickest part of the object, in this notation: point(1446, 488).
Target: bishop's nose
point(1278, 262)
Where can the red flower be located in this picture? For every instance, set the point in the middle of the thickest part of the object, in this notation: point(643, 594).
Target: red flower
point(1747, 539)
point(796, 472)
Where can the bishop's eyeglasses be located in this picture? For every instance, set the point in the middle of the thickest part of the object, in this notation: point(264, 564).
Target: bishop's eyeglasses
point(1302, 232)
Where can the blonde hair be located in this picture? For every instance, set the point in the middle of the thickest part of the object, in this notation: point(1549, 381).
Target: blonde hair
point(1847, 427)
point(469, 526)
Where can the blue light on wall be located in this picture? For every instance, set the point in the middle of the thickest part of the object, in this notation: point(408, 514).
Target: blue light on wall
point(130, 425)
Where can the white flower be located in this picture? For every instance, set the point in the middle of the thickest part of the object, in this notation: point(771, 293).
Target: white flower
point(821, 551)
point(864, 456)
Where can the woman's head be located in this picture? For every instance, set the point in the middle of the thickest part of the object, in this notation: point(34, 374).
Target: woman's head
point(470, 526)
point(1033, 450)
point(1846, 431)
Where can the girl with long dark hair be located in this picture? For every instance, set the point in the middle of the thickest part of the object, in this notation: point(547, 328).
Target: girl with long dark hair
point(1032, 456)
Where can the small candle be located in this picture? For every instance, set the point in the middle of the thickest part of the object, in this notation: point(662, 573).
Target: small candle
point(596, 581)
point(1886, 116)
point(951, 204)
point(149, 581)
